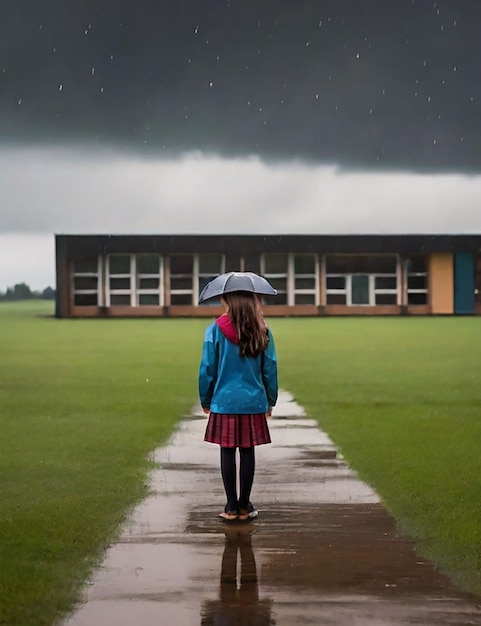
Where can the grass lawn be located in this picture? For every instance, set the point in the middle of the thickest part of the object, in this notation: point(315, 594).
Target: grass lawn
point(82, 402)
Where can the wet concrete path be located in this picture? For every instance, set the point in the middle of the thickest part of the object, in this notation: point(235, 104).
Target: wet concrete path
point(322, 551)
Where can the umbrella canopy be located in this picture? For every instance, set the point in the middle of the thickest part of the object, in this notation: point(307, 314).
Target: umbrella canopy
point(236, 281)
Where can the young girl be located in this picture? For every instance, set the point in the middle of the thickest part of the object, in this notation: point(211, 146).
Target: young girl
point(238, 388)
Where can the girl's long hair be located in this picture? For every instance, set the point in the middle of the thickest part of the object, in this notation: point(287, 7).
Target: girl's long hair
point(246, 315)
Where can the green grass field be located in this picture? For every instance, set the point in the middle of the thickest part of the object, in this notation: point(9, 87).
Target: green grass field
point(82, 402)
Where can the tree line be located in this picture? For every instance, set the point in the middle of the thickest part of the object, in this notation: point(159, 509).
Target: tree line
point(21, 291)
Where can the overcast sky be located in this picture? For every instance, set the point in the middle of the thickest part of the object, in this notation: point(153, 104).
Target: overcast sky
point(225, 116)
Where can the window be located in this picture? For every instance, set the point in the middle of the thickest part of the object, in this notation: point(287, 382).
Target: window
point(120, 268)
point(86, 281)
point(134, 280)
point(417, 280)
point(361, 280)
point(149, 283)
point(295, 276)
point(189, 273)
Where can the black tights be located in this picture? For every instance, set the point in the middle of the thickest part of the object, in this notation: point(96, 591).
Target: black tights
point(229, 476)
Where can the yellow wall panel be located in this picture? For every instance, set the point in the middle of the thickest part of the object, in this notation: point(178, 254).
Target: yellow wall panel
point(441, 283)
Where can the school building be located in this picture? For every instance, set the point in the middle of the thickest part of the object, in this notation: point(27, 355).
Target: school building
point(162, 275)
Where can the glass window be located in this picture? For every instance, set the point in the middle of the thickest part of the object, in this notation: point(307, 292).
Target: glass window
point(417, 282)
point(120, 299)
point(336, 282)
point(180, 283)
point(279, 283)
point(417, 298)
point(149, 298)
point(305, 283)
point(182, 264)
point(120, 283)
point(305, 298)
point(210, 264)
point(275, 264)
point(416, 264)
point(85, 299)
point(385, 282)
point(336, 298)
point(304, 264)
point(85, 282)
point(149, 283)
point(386, 298)
point(148, 264)
point(181, 298)
point(119, 264)
point(86, 265)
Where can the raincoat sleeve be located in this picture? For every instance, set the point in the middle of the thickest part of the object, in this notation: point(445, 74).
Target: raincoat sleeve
point(208, 367)
point(269, 371)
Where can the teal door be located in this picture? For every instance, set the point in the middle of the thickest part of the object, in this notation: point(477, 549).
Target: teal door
point(464, 283)
point(359, 289)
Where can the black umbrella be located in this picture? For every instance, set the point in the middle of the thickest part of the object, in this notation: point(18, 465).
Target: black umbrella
point(236, 281)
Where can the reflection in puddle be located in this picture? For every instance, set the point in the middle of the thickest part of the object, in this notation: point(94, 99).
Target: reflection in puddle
point(239, 601)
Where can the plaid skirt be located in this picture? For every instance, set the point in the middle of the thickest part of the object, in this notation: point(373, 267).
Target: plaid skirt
point(237, 431)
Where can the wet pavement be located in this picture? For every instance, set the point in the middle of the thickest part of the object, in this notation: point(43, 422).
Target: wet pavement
point(322, 551)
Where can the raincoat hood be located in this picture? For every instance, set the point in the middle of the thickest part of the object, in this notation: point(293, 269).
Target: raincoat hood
point(226, 326)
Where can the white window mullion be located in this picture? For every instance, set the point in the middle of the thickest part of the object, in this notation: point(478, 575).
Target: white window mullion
point(133, 281)
point(349, 289)
point(161, 281)
point(372, 289)
point(195, 280)
point(291, 280)
point(107, 278)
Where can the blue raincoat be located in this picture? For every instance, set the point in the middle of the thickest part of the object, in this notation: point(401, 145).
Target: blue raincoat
point(235, 384)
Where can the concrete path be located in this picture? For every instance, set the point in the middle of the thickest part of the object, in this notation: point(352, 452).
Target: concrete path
point(323, 550)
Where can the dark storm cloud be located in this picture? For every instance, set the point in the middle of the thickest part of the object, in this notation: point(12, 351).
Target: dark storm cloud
point(384, 83)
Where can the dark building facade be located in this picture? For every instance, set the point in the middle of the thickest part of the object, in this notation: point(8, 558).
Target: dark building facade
point(162, 275)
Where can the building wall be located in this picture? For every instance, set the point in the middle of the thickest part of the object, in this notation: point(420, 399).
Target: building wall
point(431, 275)
point(441, 283)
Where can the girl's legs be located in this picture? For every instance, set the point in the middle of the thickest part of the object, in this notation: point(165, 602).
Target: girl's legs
point(247, 469)
point(229, 477)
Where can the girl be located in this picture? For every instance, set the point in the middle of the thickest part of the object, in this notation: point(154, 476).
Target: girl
point(238, 388)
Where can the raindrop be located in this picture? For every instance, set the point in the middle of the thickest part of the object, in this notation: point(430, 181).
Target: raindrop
point(211, 84)
point(383, 91)
point(434, 141)
point(60, 87)
point(415, 93)
point(92, 71)
point(248, 103)
point(206, 42)
point(429, 98)
point(454, 22)
point(260, 109)
point(111, 57)
point(307, 43)
point(40, 27)
point(186, 117)
point(54, 50)
point(357, 55)
point(424, 62)
point(442, 28)
point(370, 111)
point(20, 101)
point(329, 78)
point(317, 96)
point(472, 98)
point(101, 89)
point(320, 23)
point(455, 69)
point(196, 30)
point(259, 24)
point(189, 60)
point(218, 58)
point(282, 101)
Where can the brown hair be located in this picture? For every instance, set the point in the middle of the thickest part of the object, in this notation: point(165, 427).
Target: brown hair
point(246, 315)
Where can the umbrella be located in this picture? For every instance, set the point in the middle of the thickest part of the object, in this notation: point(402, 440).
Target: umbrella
point(236, 281)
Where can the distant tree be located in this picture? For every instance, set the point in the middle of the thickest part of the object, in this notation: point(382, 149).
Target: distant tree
point(20, 291)
point(48, 294)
